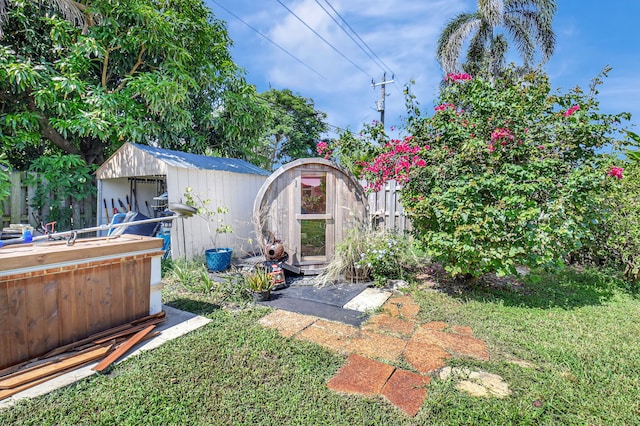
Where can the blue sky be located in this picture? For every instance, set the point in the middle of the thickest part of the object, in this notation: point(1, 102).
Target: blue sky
point(402, 35)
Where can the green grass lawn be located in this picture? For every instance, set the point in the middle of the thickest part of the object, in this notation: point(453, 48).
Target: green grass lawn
point(579, 331)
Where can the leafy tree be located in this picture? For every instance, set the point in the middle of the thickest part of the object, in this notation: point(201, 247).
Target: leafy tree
point(149, 73)
point(5, 183)
point(528, 23)
point(294, 128)
point(74, 12)
point(58, 181)
point(504, 173)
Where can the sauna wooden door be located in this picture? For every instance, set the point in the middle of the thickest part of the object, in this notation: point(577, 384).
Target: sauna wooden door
point(315, 214)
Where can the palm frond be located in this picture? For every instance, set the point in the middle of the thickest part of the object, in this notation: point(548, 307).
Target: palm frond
point(452, 38)
point(492, 11)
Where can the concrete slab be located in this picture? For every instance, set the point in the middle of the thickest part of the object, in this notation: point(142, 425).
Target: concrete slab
point(368, 300)
point(176, 324)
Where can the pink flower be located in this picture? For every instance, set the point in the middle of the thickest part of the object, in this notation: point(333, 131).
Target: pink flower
point(323, 150)
point(491, 148)
point(444, 107)
point(540, 147)
point(457, 77)
point(615, 172)
point(571, 110)
point(501, 133)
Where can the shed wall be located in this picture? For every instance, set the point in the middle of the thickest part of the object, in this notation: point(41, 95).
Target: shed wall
point(236, 191)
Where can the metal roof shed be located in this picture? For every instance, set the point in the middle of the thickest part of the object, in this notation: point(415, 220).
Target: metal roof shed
point(136, 176)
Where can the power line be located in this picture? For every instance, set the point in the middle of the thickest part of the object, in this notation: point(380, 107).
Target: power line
point(349, 34)
point(356, 34)
point(323, 39)
point(267, 38)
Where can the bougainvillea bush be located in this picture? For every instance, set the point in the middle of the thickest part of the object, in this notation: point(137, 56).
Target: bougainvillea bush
point(503, 172)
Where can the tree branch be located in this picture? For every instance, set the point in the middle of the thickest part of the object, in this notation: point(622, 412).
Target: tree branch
point(105, 64)
point(48, 132)
point(133, 69)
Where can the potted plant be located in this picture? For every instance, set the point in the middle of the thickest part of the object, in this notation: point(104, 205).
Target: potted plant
point(259, 282)
point(348, 258)
point(218, 258)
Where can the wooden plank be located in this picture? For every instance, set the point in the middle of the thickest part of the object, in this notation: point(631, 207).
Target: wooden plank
point(105, 297)
point(5, 330)
point(66, 310)
point(18, 322)
point(48, 253)
point(41, 362)
point(50, 312)
point(69, 346)
point(127, 332)
point(6, 393)
point(117, 294)
point(47, 370)
point(81, 313)
point(147, 320)
point(35, 329)
point(127, 270)
point(115, 355)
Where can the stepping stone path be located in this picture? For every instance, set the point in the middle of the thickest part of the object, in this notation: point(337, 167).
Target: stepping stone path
point(387, 338)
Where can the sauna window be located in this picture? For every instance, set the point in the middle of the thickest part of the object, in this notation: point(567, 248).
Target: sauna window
point(313, 237)
point(314, 195)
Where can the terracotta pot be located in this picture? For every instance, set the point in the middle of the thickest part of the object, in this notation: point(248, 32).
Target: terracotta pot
point(274, 251)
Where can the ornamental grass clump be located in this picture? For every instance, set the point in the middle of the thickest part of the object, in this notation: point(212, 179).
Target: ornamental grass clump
point(503, 172)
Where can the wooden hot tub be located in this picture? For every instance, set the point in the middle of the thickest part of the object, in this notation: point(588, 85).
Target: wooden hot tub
point(52, 294)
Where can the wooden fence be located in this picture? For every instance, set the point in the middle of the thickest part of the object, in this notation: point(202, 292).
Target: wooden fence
point(386, 211)
point(16, 209)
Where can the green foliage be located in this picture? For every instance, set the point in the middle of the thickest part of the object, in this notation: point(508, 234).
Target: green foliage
point(504, 173)
point(144, 72)
point(5, 183)
point(294, 128)
point(372, 253)
point(258, 279)
point(619, 237)
point(352, 152)
point(58, 180)
point(388, 256)
point(527, 23)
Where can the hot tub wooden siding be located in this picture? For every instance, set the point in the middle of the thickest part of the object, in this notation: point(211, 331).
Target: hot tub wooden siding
point(52, 294)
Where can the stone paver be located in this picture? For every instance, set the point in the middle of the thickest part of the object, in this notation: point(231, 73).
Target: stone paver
point(332, 335)
point(287, 323)
point(435, 325)
point(476, 383)
point(391, 325)
point(401, 306)
point(461, 329)
point(368, 300)
point(391, 336)
point(457, 343)
point(377, 345)
point(406, 390)
point(361, 375)
point(425, 357)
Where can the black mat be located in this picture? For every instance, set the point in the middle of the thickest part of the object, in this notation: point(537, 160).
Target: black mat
point(324, 302)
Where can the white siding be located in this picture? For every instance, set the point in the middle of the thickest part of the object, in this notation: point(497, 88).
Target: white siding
point(235, 191)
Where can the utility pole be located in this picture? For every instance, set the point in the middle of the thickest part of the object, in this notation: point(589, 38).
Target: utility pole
point(383, 94)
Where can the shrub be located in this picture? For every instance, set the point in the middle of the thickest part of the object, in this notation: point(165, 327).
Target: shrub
point(503, 173)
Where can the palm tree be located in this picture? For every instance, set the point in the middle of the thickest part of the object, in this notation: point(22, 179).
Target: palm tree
point(71, 10)
point(528, 23)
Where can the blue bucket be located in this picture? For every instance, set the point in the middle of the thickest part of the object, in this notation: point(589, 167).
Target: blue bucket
point(218, 259)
